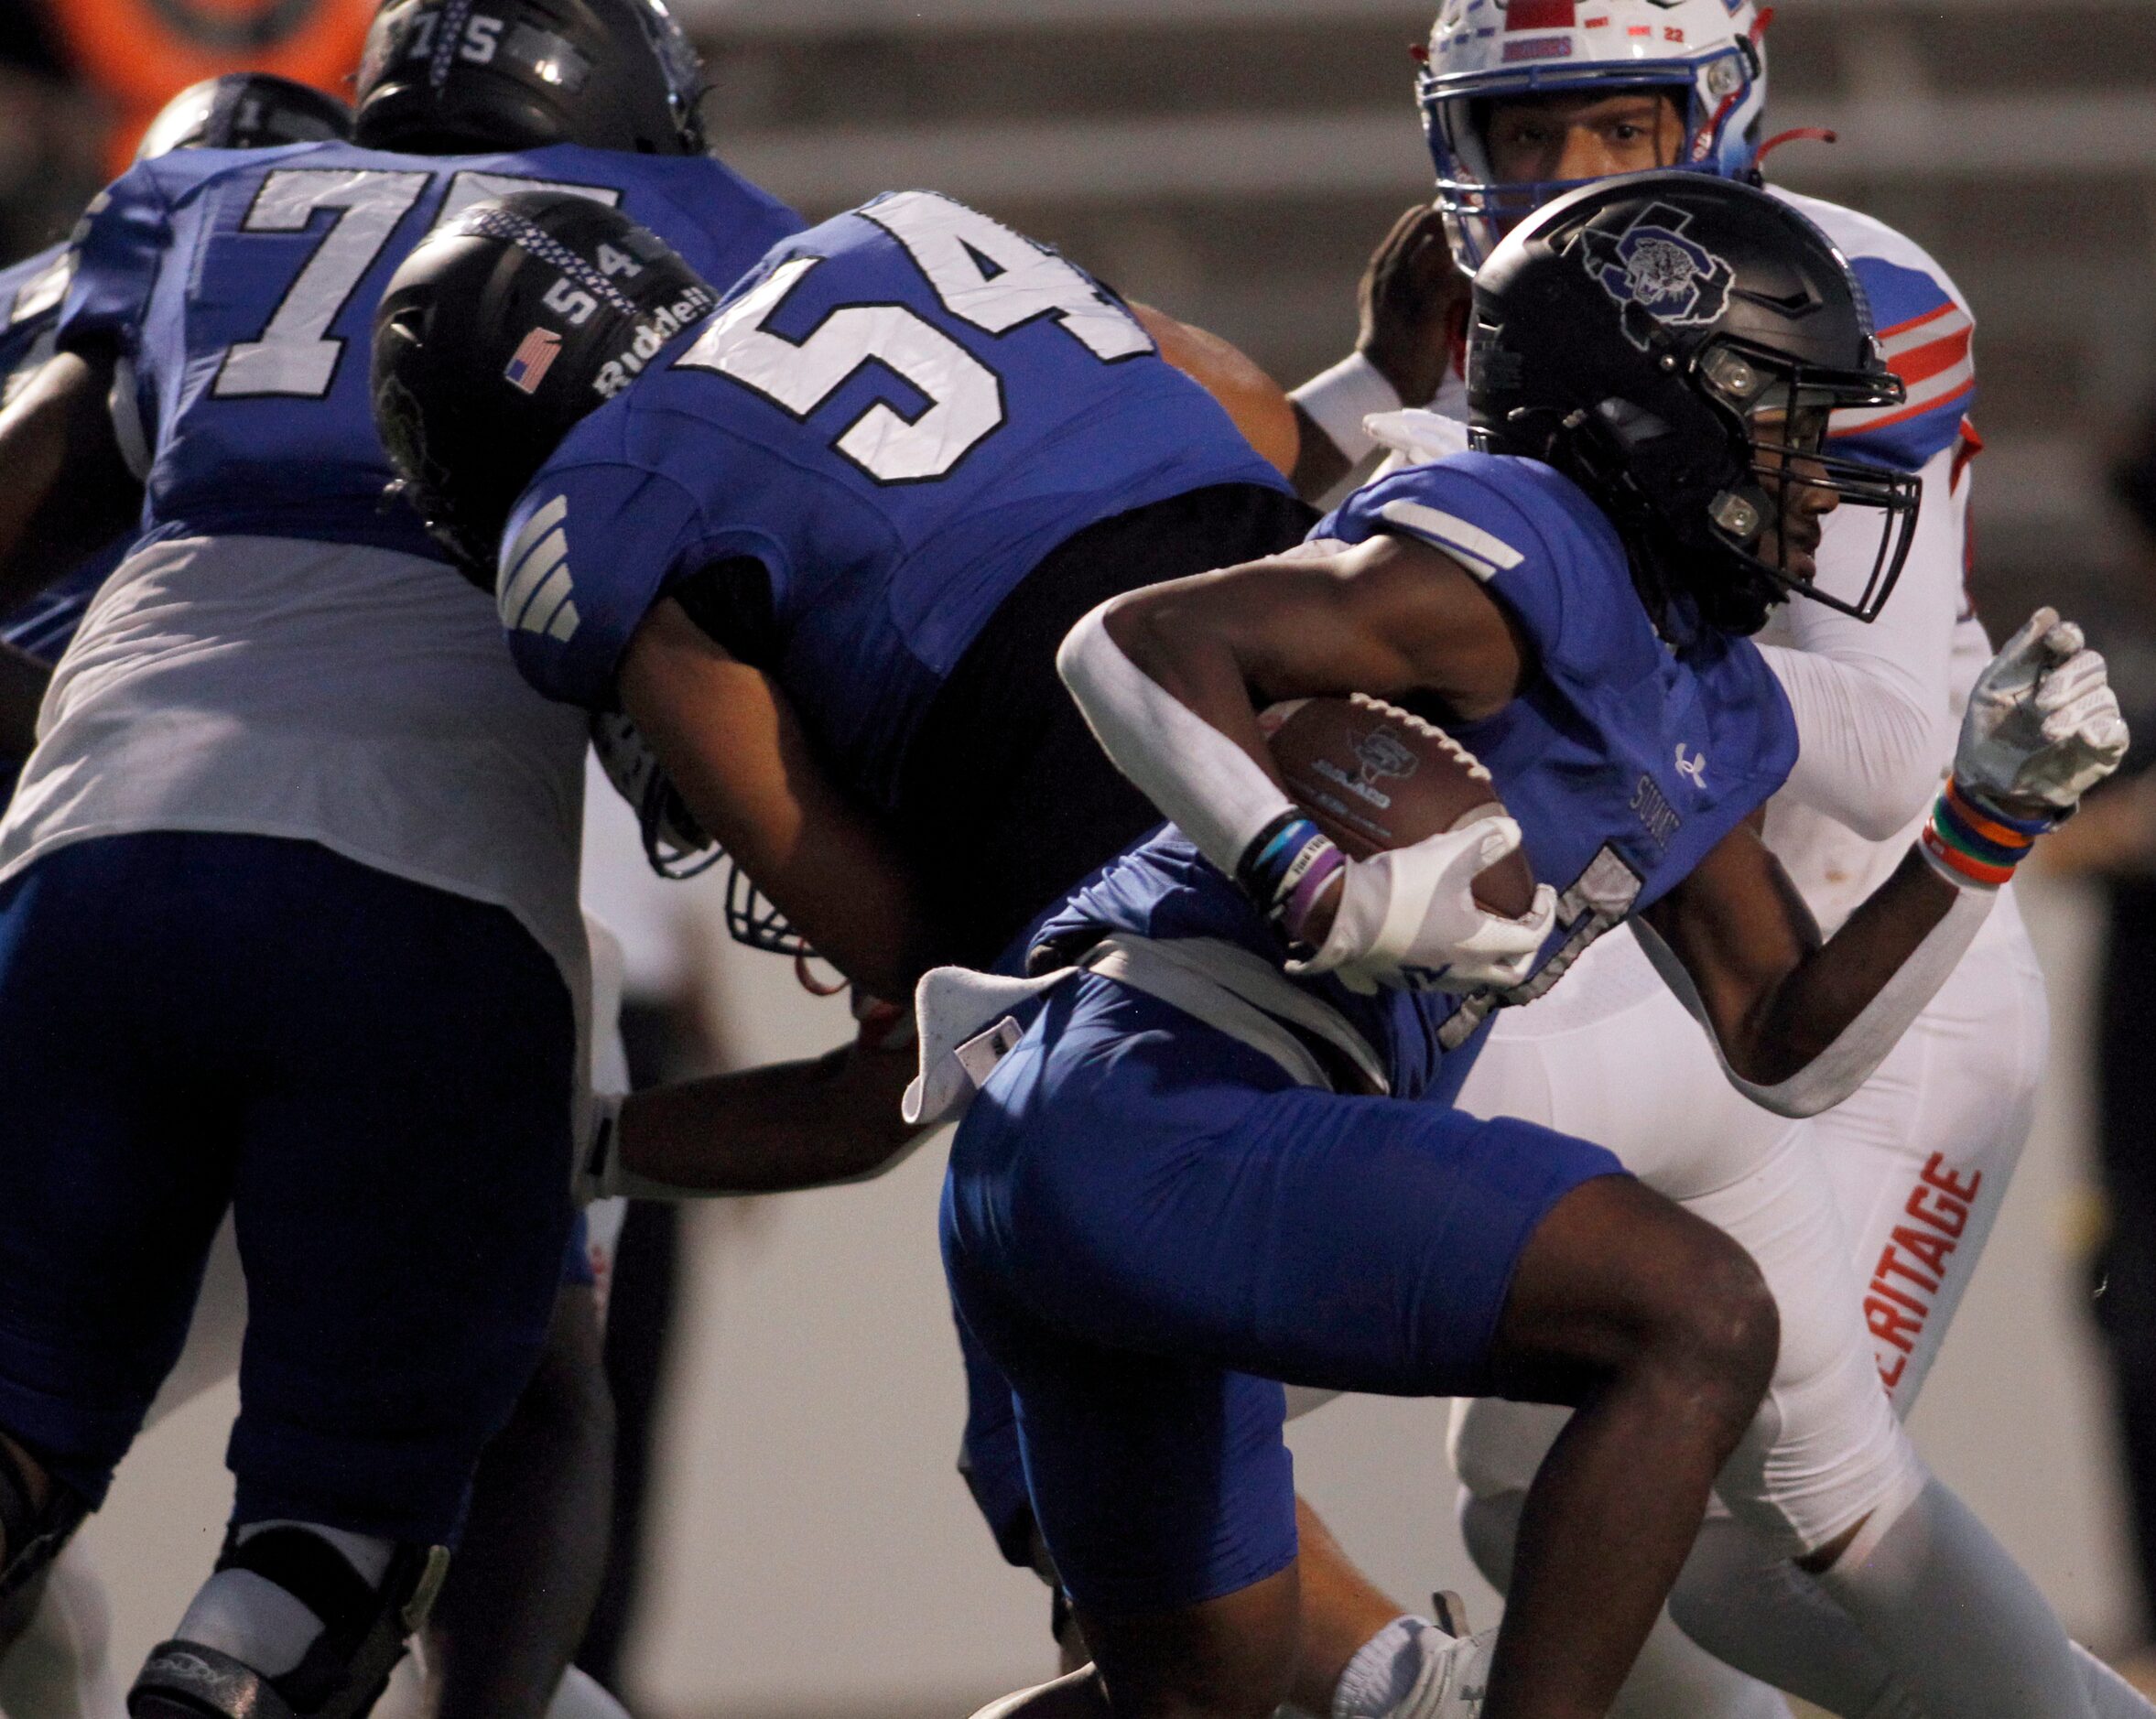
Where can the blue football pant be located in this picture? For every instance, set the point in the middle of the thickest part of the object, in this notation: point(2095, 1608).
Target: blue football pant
point(375, 1075)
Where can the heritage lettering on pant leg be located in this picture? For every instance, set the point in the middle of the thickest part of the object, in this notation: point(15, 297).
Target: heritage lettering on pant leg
point(1906, 1281)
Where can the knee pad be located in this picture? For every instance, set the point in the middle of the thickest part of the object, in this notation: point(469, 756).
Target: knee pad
point(1489, 1527)
point(363, 1636)
point(31, 1534)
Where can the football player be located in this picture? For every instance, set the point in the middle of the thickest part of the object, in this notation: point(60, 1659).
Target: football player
point(241, 111)
point(771, 791)
point(57, 1665)
point(290, 880)
point(1147, 1219)
point(1517, 108)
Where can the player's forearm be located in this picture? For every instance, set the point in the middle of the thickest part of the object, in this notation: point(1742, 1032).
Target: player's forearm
point(1843, 1007)
point(788, 1126)
point(1172, 709)
point(23, 681)
point(1320, 464)
point(743, 766)
point(1172, 678)
point(1799, 1031)
point(1261, 409)
point(67, 492)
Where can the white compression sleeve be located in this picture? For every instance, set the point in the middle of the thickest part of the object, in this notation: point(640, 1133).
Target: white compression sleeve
point(1202, 780)
point(1862, 1045)
point(1338, 399)
point(1874, 702)
point(1868, 755)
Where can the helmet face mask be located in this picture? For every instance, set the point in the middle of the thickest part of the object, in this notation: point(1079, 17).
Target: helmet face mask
point(1677, 345)
point(1705, 53)
point(1783, 412)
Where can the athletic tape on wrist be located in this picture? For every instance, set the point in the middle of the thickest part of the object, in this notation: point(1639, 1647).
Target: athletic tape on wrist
point(1973, 846)
point(1338, 400)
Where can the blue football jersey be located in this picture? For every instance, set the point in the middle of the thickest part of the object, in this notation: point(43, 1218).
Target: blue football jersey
point(241, 285)
point(888, 424)
point(1624, 761)
point(30, 296)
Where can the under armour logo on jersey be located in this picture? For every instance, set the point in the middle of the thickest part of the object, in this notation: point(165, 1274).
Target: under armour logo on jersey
point(533, 594)
point(1693, 767)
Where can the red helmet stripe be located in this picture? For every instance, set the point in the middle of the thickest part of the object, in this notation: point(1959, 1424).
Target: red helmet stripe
point(1541, 15)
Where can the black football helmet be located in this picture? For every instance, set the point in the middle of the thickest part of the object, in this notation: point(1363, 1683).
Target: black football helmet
point(1633, 333)
point(498, 333)
point(245, 110)
point(449, 77)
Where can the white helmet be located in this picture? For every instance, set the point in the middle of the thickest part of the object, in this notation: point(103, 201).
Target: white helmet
point(1483, 50)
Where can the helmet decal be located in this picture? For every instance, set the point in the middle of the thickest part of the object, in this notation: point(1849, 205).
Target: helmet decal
point(498, 333)
point(450, 25)
point(533, 358)
point(441, 76)
point(1656, 274)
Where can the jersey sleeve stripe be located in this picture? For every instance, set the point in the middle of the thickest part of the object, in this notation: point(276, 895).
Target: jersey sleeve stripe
point(519, 593)
point(535, 528)
point(1483, 553)
point(1954, 387)
point(1933, 325)
point(547, 600)
point(1924, 363)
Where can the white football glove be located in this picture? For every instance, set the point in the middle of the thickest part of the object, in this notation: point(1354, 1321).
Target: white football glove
point(2043, 726)
point(1408, 919)
point(1419, 437)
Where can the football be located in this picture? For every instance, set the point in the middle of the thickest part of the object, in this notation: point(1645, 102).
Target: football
point(1374, 776)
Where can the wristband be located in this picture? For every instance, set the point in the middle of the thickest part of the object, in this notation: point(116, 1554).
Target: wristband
point(1973, 846)
point(1285, 869)
point(1338, 399)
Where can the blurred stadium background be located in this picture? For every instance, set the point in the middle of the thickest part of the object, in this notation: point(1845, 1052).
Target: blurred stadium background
point(1234, 160)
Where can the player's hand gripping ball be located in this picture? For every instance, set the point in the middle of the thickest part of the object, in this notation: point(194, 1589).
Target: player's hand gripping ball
point(1437, 895)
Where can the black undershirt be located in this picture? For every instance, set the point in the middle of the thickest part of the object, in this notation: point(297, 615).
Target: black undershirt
point(1005, 800)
